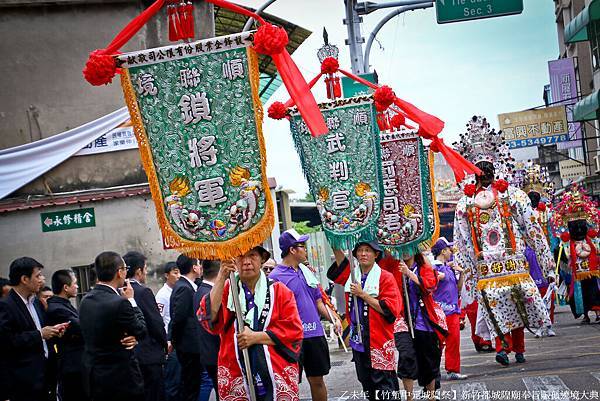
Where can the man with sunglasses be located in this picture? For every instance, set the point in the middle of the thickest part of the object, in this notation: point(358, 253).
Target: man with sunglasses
point(314, 357)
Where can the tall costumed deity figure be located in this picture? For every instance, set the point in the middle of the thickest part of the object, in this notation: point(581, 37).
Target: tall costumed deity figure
point(535, 181)
point(494, 223)
point(575, 221)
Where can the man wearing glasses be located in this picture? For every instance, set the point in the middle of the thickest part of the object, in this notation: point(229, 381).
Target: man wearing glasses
point(314, 356)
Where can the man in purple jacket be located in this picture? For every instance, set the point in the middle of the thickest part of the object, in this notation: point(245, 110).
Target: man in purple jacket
point(314, 357)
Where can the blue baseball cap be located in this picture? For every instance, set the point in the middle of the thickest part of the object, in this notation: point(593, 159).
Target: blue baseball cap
point(440, 245)
point(290, 238)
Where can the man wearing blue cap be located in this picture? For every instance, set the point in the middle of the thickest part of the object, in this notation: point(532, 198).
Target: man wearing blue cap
point(314, 357)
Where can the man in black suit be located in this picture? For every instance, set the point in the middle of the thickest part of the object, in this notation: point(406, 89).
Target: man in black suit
point(69, 347)
point(185, 327)
point(23, 336)
point(110, 371)
point(152, 349)
point(209, 343)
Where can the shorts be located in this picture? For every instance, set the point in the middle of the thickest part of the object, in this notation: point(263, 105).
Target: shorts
point(419, 359)
point(407, 356)
point(314, 357)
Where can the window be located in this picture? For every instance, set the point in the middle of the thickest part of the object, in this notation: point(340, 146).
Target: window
point(594, 34)
point(86, 278)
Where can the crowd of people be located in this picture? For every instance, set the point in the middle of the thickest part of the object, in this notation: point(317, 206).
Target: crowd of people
point(124, 343)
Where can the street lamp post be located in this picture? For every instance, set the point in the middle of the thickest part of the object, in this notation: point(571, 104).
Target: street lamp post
point(398, 11)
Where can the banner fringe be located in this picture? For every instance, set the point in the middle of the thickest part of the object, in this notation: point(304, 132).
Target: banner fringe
point(503, 281)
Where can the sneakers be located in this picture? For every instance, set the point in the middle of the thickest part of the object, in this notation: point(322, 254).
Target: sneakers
point(551, 332)
point(502, 358)
point(456, 376)
point(539, 333)
point(519, 357)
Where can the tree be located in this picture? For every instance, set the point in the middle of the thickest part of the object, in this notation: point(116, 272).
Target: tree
point(303, 228)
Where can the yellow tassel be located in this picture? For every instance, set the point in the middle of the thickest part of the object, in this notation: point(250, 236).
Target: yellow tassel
point(205, 250)
point(436, 213)
point(504, 281)
point(585, 275)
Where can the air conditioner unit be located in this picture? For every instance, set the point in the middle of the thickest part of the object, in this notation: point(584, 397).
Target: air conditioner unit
point(597, 160)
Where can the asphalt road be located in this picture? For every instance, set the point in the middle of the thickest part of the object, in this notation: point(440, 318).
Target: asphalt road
point(565, 367)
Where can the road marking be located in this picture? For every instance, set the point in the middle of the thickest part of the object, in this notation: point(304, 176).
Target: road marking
point(596, 375)
point(470, 391)
point(547, 388)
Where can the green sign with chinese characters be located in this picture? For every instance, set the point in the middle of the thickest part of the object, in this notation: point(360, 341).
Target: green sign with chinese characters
point(465, 10)
point(343, 169)
point(68, 219)
point(197, 117)
point(352, 88)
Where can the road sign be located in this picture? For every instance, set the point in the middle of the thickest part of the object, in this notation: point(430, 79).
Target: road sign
point(68, 219)
point(351, 88)
point(465, 10)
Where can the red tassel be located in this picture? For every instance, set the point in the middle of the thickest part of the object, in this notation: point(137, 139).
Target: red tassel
point(181, 20)
point(190, 20)
point(329, 87)
point(337, 88)
point(171, 15)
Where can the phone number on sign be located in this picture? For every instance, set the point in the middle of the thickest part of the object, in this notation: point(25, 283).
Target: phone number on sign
point(545, 140)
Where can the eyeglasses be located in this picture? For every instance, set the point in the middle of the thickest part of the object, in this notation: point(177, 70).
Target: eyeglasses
point(124, 268)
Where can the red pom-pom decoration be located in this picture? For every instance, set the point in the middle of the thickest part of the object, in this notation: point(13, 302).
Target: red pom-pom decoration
point(565, 237)
point(384, 96)
point(398, 121)
point(470, 189)
point(100, 68)
point(270, 39)
point(329, 66)
point(501, 185)
point(592, 233)
point(541, 207)
point(436, 145)
point(277, 111)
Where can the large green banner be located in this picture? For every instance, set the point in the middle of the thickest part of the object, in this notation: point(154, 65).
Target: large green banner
point(197, 117)
point(343, 169)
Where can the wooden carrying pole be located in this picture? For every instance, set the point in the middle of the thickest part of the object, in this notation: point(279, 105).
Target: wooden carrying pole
point(240, 324)
point(354, 297)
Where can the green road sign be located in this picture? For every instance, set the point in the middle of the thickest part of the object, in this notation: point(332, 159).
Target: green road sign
point(68, 219)
point(464, 10)
point(351, 88)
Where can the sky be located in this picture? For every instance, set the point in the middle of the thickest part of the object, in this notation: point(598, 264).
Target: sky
point(454, 71)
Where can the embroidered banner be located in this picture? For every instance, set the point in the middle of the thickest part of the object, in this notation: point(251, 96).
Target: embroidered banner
point(198, 121)
point(409, 213)
point(343, 169)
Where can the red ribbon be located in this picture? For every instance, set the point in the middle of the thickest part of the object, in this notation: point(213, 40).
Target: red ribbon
point(290, 74)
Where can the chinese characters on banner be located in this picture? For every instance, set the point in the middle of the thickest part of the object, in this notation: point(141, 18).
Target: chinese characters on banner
point(121, 138)
point(534, 127)
point(68, 219)
point(197, 117)
point(408, 215)
point(343, 170)
point(563, 87)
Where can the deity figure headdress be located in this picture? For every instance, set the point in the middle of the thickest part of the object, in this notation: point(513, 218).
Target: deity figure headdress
point(482, 143)
point(575, 205)
point(531, 177)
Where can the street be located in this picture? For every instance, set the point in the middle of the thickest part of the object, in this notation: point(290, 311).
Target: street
point(565, 367)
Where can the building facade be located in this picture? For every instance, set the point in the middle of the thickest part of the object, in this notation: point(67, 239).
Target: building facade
point(578, 33)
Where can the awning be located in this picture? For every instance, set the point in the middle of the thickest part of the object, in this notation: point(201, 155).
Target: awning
point(577, 29)
point(586, 109)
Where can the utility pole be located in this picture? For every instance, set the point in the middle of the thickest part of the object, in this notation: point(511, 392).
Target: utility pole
point(355, 39)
